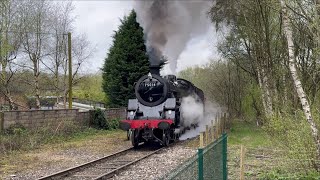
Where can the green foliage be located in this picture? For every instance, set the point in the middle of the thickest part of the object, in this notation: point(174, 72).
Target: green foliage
point(126, 62)
point(113, 123)
point(98, 120)
point(279, 175)
point(293, 128)
point(5, 48)
point(227, 85)
point(252, 108)
point(15, 129)
point(16, 137)
point(89, 88)
point(248, 134)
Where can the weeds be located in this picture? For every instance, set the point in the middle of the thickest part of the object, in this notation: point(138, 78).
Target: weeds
point(281, 149)
point(16, 137)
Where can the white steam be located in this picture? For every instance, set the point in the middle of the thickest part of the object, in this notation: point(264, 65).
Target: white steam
point(194, 112)
point(169, 25)
point(191, 111)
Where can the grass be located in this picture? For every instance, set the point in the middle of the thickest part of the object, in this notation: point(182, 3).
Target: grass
point(46, 149)
point(243, 133)
point(264, 159)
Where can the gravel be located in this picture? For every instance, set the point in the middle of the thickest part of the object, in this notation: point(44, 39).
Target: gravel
point(157, 165)
point(60, 160)
point(153, 167)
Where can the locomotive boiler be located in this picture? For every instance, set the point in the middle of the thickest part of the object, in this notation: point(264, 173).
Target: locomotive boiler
point(155, 114)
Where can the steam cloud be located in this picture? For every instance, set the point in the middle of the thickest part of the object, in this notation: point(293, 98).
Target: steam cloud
point(169, 25)
point(192, 112)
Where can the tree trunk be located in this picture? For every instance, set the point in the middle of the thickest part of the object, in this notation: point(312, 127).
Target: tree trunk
point(262, 91)
point(297, 83)
point(265, 93)
point(36, 74)
point(9, 98)
point(268, 95)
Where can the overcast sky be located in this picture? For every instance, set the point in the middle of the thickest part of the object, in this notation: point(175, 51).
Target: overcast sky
point(99, 20)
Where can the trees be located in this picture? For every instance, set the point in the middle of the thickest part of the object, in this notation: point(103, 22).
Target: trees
point(276, 45)
point(254, 44)
point(89, 88)
point(35, 19)
point(126, 62)
point(296, 80)
point(33, 37)
point(9, 45)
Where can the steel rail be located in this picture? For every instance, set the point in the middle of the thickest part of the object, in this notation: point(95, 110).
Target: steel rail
point(114, 172)
point(82, 166)
point(71, 171)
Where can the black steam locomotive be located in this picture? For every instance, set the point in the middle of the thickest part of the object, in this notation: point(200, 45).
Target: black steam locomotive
point(155, 114)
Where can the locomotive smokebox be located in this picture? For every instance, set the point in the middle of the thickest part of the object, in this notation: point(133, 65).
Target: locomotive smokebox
point(155, 69)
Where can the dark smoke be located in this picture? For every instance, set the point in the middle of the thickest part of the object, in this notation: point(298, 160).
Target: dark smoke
point(169, 25)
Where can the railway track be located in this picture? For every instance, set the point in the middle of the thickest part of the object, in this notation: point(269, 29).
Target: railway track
point(107, 166)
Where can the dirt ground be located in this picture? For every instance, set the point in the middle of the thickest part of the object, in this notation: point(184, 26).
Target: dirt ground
point(54, 157)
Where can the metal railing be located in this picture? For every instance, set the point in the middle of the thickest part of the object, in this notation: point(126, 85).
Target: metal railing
point(209, 163)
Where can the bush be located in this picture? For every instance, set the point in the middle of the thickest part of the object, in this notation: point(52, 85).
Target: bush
point(294, 134)
point(98, 120)
point(15, 129)
point(113, 123)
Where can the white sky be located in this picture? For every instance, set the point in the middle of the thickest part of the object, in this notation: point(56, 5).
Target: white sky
point(99, 19)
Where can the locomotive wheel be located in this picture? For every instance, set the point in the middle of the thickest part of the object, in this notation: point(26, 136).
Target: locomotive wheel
point(129, 132)
point(166, 139)
point(134, 138)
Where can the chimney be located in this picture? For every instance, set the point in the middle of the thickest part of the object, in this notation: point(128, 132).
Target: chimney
point(155, 69)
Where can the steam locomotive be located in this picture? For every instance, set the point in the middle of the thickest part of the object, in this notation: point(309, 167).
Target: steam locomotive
point(155, 114)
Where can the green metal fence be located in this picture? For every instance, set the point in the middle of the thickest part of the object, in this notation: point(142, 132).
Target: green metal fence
point(209, 163)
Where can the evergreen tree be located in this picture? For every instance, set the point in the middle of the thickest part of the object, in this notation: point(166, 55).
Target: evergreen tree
point(126, 62)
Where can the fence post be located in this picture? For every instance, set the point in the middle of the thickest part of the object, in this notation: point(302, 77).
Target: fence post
point(200, 163)
point(215, 132)
point(224, 121)
point(224, 156)
point(1, 121)
point(212, 131)
point(242, 163)
point(200, 158)
point(207, 135)
point(201, 140)
point(218, 126)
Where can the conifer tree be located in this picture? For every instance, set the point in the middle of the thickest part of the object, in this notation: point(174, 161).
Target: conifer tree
point(126, 62)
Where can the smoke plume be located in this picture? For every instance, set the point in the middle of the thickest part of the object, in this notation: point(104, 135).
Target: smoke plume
point(169, 25)
point(193, 112)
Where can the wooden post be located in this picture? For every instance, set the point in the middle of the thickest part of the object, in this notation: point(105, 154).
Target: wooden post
point(242, 153)
point(215, 134)
point(212, 131)
point(200, 157)
point(70, 71)
point(224, 121)
point(201, 140)
point(1, 121)
point(218, 126)
point(207, 135)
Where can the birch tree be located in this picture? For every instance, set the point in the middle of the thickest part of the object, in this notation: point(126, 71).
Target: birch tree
point(294, 74)
point(9, 45)
point(61, 24)
point(35, 38)
point(254, 44)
